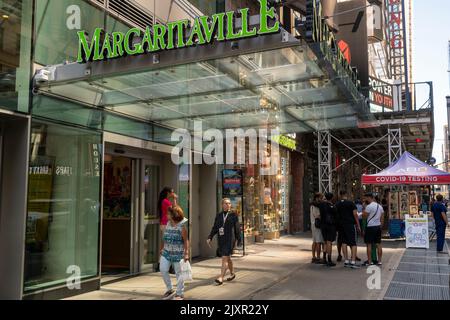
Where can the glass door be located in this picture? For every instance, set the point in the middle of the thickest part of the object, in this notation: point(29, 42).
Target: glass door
point(150, 220)
point(117, 216)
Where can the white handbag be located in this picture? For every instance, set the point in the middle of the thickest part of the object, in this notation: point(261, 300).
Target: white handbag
point(185, 270)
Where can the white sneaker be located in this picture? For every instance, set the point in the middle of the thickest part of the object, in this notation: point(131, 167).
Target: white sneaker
point(177, 297)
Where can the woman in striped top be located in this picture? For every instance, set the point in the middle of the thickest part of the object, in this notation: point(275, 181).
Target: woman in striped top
point(174, 247)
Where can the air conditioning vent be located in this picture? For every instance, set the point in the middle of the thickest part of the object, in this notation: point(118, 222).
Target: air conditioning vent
point(129, 12)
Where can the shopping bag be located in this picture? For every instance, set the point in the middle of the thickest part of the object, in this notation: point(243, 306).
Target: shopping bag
point(185, 270)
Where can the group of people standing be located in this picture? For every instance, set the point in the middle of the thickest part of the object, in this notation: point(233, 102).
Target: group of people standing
point(342, 220)
point(175, 241)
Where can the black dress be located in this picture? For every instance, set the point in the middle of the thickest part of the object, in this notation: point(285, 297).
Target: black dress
point(226, 244)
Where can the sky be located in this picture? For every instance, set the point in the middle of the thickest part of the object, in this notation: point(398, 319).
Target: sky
point(431, 33)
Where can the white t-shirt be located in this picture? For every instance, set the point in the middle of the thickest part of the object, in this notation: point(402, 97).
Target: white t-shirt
point(374, 211)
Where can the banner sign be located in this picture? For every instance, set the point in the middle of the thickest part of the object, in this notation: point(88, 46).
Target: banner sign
point(381, 93)
point(416, 232)
point(174, 35)
point(285, 141)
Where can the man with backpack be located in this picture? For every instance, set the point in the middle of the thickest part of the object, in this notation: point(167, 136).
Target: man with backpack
point(328, 225)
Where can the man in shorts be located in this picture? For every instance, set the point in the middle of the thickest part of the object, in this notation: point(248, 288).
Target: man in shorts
point(374, 215)
point(349, 221)
point(328, 225)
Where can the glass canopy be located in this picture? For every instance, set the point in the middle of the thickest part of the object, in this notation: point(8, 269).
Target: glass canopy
point(284, 89)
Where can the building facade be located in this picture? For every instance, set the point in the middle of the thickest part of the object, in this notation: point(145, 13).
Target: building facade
point(87, 146)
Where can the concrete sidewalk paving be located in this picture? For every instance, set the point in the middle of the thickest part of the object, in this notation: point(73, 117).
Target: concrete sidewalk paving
point(274, 262)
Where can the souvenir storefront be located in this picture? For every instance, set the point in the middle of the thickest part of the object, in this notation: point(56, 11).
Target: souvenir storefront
point(261, 198)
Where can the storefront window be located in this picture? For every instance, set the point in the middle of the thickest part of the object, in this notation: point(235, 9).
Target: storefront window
point(266, 200)
point(15, 51)
point(63, 205)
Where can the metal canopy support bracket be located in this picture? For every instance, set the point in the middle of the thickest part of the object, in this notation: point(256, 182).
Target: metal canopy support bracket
point(324, 146)
point(395, 144)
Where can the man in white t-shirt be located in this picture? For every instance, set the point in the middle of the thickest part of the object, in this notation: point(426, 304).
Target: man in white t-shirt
point(374, 215)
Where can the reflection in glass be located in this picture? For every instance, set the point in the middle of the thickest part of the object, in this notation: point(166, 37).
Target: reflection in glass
point(63, 205)
point(151, 226)
point(14, 52)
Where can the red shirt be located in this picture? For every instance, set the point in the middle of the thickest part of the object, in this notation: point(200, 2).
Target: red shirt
point(164, 207)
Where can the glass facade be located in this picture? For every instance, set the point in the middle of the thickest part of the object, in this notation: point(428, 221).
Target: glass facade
point(63, 205)
point(209, 7)
point(57, 24)
point(15, 52)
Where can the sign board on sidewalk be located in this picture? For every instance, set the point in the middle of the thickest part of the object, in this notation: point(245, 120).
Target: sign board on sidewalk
point(416, 232)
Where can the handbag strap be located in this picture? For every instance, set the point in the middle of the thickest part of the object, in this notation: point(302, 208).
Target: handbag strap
point(378, 207)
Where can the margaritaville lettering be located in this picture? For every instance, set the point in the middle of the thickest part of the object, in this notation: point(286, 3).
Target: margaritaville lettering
point(179, 34)
point(320, 32)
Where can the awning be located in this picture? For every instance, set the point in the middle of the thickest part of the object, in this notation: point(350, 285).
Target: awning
point(408, 171)
point(268, 82)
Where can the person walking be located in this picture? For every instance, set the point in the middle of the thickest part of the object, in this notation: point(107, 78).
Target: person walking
point(441, 222)
point(164, 203)
point(348, 217)
point(328, 226)
point(225, 223)
point(372, 236)
point(315, 229)
point(174, 248)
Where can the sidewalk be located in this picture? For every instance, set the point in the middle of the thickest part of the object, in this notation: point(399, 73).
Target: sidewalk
point(271, 262)
point(422, 275)
point(278, 269)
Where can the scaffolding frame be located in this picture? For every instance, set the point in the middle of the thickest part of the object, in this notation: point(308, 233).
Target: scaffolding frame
point(325, 173)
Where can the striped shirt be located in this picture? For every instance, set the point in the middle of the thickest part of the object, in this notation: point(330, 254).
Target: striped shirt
point(173, 249)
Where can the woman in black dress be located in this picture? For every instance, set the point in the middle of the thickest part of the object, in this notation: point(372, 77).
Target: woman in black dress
point(224, 224)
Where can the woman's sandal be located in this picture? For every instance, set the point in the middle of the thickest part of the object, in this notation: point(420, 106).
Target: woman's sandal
point(218, 282)
point(233, 276)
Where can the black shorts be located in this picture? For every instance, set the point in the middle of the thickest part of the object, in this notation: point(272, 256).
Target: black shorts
point(340, 234)
point(328, 233)
point(349, 235)
point(372, 235)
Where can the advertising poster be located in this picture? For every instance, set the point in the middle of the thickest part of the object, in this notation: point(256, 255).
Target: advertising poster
point(404, 204)
point(416, 232)
point(232, 182)
point(393, 206)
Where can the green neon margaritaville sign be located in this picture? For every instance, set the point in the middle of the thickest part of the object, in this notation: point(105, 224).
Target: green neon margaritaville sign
point(174, 35)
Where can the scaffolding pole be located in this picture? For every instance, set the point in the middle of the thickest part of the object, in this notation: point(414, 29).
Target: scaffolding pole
point(324, 146)
point(395, 145)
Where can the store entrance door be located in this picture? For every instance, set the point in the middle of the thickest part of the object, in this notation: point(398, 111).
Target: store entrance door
point(117, 217)
point(149, 251)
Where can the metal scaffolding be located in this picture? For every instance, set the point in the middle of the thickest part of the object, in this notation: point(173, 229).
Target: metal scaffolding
point(395, 144)
point(324, 148)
